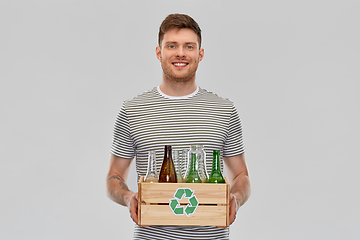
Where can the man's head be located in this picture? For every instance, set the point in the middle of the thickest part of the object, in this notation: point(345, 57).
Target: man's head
point(179, 48)
point(179, 21)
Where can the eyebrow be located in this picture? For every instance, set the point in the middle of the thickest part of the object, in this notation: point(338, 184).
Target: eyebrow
point(173, 42)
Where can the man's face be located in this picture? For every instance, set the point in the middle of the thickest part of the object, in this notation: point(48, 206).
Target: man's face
point(179, 54)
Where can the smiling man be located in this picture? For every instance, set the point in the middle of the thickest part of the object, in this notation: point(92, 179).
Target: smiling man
point(179, 53)
point(179, 113)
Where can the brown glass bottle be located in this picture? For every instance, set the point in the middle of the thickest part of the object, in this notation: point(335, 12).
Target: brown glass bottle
point(167, 171)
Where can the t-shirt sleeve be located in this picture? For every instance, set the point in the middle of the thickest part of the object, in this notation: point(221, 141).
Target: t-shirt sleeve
point(122, 144)
point(234, 144)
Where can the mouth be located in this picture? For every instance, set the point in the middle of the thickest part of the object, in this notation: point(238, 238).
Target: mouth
point(180, 64)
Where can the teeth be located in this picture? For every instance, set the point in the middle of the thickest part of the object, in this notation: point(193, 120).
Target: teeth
point(179, 64)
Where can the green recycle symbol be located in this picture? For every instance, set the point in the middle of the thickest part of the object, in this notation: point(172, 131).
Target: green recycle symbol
point(181, 210)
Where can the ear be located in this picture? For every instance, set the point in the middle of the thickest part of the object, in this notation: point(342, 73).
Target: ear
point(158, 53)
point(201, 54)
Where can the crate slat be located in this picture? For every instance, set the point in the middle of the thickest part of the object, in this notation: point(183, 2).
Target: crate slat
point(206, 193)
point(204, 215)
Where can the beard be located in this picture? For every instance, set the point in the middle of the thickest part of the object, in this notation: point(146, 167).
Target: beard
point(181, 76)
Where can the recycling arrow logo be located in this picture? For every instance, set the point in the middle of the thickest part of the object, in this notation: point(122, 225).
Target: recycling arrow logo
point(190, 207)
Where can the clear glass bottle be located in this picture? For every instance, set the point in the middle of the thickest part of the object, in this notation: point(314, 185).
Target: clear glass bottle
point(178, 166)
point(185, 161)
point(151, 175)
point(167, 171)
point(188, 153)
point(216, 175)
point(193, 174)
point(201, 158)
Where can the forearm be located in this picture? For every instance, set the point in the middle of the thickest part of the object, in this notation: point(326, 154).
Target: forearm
point(241, 188)
point(118, 191)
point(238, 177)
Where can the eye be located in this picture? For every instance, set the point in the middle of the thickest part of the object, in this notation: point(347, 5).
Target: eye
point(171, 46)
point(189, 47)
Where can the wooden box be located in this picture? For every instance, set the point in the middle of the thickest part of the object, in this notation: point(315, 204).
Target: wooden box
point(196, 204)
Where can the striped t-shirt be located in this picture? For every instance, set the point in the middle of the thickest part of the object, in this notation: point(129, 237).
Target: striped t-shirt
point(152, 120)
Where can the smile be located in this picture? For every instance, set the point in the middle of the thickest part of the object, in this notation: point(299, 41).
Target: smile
point(180, 64)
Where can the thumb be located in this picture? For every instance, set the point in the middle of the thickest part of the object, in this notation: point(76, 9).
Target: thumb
point(233, 198)
point(133, 196)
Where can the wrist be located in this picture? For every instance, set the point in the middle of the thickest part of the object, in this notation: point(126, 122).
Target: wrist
point(129, 198)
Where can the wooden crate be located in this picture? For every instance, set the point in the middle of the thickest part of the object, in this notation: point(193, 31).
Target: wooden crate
point(175, 204)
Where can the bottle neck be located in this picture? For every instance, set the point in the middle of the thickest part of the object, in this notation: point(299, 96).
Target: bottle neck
point(152, 163)
point(216, 161)
point(167, 153)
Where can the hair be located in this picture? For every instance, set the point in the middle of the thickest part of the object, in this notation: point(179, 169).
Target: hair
point(179, 21)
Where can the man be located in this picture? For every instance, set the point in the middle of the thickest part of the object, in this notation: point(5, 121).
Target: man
point(177, 113)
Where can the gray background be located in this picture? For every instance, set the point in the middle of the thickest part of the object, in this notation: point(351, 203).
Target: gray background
point(291, 68)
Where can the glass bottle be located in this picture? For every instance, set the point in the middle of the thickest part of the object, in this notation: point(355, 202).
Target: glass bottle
point(151, 175)
point(216, 176)
point(167, 171)
point(193, 174)
point(185, 161)
point(187, 155)
point(178, 166)
point(201, 158)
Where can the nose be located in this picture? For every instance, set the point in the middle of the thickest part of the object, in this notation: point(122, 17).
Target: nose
point(180, 52)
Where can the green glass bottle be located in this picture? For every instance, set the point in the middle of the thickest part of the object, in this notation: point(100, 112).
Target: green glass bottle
point(216, 176)
point(193, 175)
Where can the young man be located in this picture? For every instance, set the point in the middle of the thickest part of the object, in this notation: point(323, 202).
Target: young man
point(179, 113)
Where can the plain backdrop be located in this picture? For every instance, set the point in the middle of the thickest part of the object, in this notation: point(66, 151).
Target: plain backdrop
point(290, 67)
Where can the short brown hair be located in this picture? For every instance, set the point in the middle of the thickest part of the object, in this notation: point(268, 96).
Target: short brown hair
point(179, 21)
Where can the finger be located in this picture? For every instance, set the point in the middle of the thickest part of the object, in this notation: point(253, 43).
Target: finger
point(134, 216)
point(232, 211)
point(221, 226)
point(133, 209)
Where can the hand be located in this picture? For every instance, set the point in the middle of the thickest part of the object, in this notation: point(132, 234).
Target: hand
point(234, 206)
point(133, 207)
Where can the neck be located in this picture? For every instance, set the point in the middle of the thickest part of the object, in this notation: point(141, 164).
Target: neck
point(177, 88)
